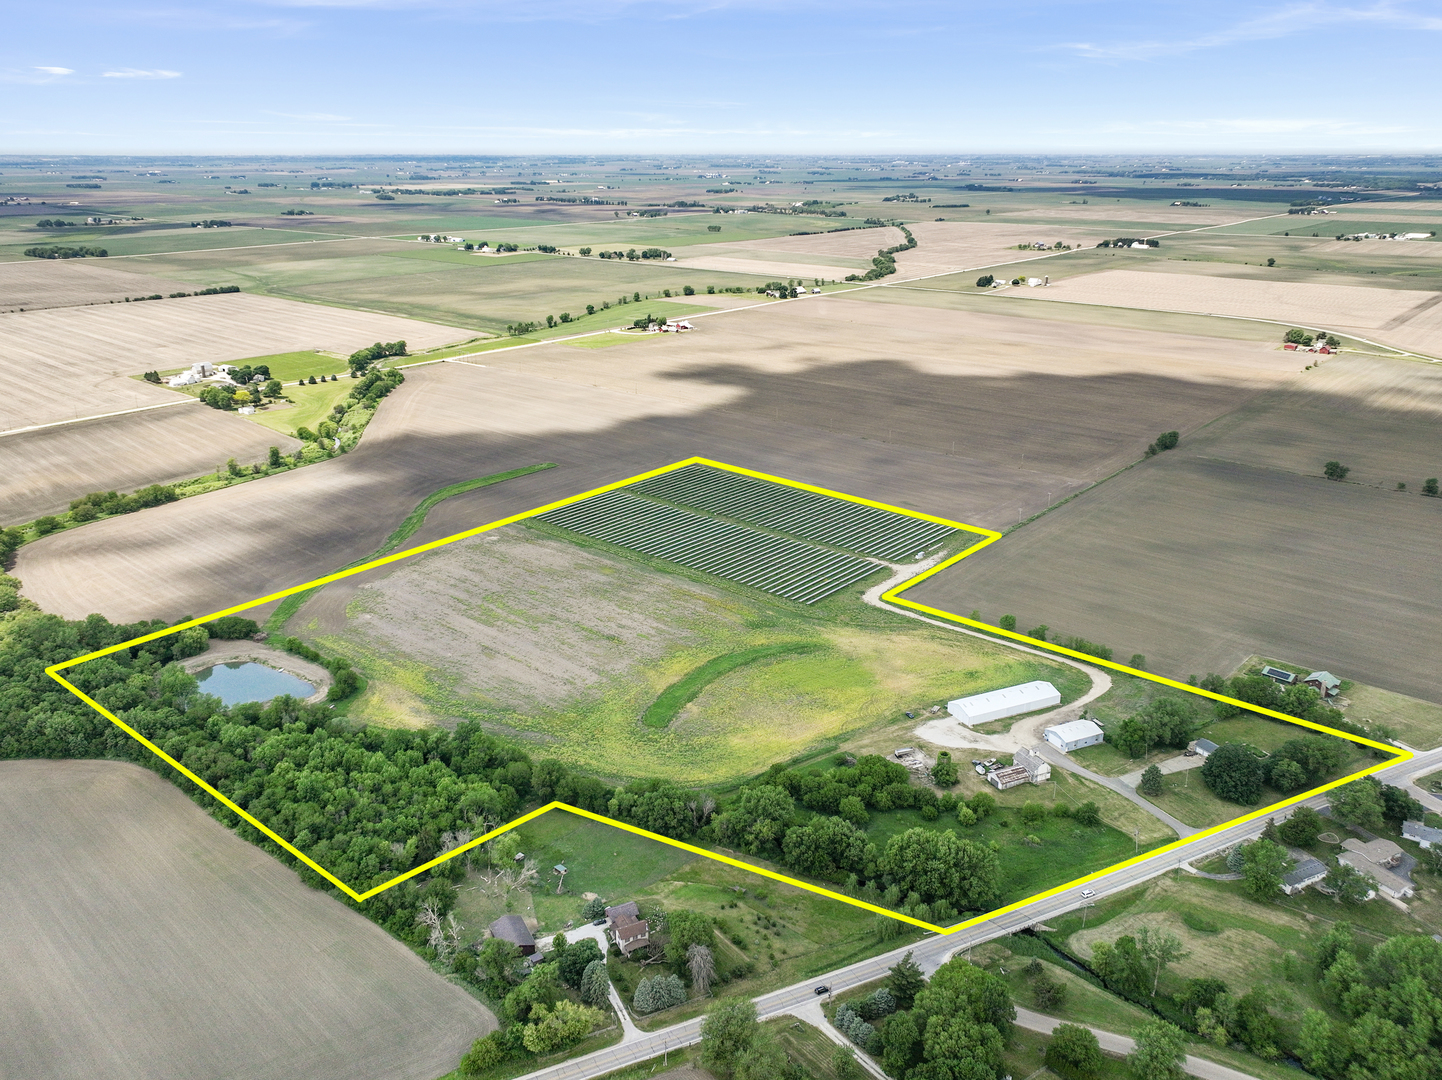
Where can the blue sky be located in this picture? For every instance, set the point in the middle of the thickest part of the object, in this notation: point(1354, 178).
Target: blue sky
point(719, 76)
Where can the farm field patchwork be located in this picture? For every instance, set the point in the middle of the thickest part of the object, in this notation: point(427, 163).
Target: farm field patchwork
point(838, 392)
point(142, 939)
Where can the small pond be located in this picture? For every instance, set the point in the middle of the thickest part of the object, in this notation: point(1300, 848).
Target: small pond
point(249, 681)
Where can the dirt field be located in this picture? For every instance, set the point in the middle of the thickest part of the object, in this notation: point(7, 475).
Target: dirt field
point(848, 395)
point(45, 283)
point(46, 469)
point(1307, 304)
point(140, 939)
point(77, 361)
point(1233, 544)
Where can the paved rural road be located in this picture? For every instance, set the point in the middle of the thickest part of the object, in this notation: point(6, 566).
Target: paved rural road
point(934, 950)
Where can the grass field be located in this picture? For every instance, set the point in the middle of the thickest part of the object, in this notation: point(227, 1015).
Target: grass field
point(1065, 851)
point(143, 940)
point(309, 405)
point(545, 639)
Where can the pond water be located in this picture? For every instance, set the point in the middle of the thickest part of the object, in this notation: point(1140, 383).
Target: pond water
point(249, 681)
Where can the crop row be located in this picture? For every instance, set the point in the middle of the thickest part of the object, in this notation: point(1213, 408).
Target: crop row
point(826, 519)
point(778, 565)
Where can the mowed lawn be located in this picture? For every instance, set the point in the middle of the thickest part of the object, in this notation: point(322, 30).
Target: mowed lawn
point(141, 940)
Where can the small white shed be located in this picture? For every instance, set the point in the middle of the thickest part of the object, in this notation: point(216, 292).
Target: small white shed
point(1073, 735)
point(999, 704)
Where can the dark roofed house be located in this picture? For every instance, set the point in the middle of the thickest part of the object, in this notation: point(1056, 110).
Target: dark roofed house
point(630, 935)
point(1308, 871)
point(512, 928)
point(1422, 835)
point(630, 911)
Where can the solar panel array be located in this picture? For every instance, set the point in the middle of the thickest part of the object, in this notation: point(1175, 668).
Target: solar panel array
point(883, 534)
point(775, 564)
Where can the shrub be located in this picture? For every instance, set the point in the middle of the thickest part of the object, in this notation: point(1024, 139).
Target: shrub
point(46, 525)
point(232, 628)
point(1335, 470)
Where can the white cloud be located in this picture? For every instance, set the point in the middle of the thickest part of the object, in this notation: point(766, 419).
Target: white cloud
point(1297, 18)
point(142, 73)
point(55, 70)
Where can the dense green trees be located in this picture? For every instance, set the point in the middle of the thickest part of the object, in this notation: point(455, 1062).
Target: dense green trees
point(1159, 1051)
point(361, 360)
point(955, 1028)
point(1165, 722)
point(728, 1031)
point(1263, 864)
point(1233, 773)
point(942, 866)
point(1073, 1053)
point(1389, 1002)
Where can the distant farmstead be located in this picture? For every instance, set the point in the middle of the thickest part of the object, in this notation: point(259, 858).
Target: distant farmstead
point(1073, 735)
point(999, 704)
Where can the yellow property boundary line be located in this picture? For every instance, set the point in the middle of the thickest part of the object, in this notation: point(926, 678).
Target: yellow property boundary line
point(893, 595)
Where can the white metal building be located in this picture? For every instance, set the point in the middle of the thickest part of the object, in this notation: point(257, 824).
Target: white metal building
point(1073, 735)
point(999, 704)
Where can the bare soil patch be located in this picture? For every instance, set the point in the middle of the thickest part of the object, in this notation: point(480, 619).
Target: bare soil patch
point(46, 469)
point(46, 283)
point(141, 939)
point(1233, 544)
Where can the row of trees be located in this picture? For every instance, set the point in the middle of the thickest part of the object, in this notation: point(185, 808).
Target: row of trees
point(361, 360)
point(884, 264)
point(55, 251)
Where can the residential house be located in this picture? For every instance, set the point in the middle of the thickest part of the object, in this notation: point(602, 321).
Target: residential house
point(1324, 682)
point(630, 935)
point(1424, 836)
point(1037, 768)
point(1308, 871)
point(1379, 860)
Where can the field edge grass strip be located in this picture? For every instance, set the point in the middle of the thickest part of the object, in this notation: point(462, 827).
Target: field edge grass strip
point(891, 596)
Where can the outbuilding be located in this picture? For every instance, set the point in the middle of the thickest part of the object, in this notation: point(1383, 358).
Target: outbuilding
point(512, 928)
point(1073, 735)
point(999, 704)
point(1203, 747)
point(1286, 678)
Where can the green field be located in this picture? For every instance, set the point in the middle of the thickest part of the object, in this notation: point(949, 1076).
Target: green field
point(309, 406)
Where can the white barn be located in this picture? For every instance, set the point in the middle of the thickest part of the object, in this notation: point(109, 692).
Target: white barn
point(999, 704)
point(1073, 735)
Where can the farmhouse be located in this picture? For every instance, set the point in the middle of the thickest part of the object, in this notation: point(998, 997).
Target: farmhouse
point(1010, 701)
point(1308, 871)
point(1073, 735)
point(630, 935)
point(1424, 836)
point(1378, 859)
point(1324, 682)
point(630, 910)
point(512, 928)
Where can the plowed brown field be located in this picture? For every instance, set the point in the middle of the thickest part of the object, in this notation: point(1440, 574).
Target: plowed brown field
point(141, 940)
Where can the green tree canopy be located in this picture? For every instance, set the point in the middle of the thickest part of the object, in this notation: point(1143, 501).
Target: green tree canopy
point(1233, 773)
